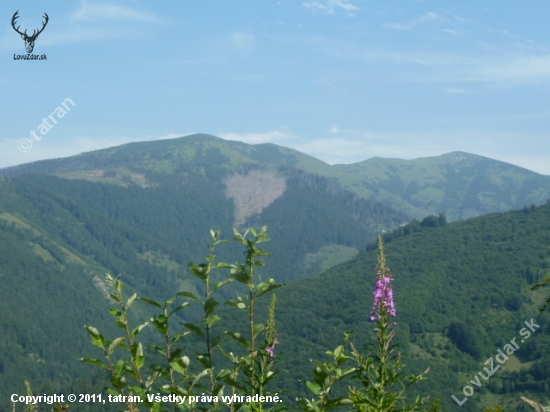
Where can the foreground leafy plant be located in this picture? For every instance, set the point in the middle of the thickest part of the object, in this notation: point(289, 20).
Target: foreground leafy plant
point(379, 371)
point(203, 387)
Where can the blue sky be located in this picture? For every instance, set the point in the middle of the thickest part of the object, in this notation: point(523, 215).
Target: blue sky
point(342, 80)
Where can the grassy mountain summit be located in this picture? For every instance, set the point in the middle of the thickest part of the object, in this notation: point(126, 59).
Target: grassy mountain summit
point(195, 153)
point(461, 185)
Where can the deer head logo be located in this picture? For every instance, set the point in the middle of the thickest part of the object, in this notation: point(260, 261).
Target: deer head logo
point(29, 40)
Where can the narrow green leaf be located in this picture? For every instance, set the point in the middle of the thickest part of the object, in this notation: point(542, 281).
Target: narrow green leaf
point(258, 328)
point(223, 282)
point(119, 286)
point(180, 307)
point(97, 338)
point(195, 329)
point(115, 297)
point(120, 367)
point(130, 301)
point(114, 344)
point(179, 336)
point(189, 295)
point(270, 288)
point(94, 362)
point(151, 302)
point(199, 377)
point(239, 338)
point(139, 361)
point(138, 329)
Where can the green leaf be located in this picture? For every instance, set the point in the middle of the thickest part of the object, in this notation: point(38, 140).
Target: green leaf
point(94, 362)
point(112, 391)
point(241, 275)
point(120, 367)
point(200, 271)
point(337, 402)
point(218, 390)
point(189, 295)
point(151, 302)
point(138, 329)
point(314, 387)
point(115, 312)
point(195, 329)
point(199, 377)
point(139, 361)
point(130, 301)
point(212, 320)
point(210, 306)
point(160, 322)
point(115, 297)
point(97, 338)
point(258, 328)
point(118, 382)
point(92, 331)
point(157, 349)
point(180, 307)
point(121, 323)
point(223, 282)
point(179, 336)
point(137, 349)
point(180, 365)
point(269, 288)
point(239, 338)
point(114, 344)
point(119, 286)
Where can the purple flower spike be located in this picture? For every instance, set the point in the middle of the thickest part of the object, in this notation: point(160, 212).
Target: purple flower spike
point(383, 297)
point(383, 291)
point(271, 349)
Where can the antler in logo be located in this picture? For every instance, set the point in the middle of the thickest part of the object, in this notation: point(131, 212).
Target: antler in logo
point(29, 40)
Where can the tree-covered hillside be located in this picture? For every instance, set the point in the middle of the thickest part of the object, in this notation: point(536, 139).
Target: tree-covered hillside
point(461, 292)
point(62, 235)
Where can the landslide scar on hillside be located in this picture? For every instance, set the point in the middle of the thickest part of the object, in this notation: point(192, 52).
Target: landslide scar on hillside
point(253, 192)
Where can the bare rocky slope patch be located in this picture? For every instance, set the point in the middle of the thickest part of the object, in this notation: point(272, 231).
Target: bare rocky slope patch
point(253, 192)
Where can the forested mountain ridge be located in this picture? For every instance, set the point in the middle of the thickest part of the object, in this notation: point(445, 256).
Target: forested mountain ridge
point(461, 185)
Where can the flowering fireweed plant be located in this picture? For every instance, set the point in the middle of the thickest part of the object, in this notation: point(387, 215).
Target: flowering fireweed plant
point(180, 383)
point(378, 383)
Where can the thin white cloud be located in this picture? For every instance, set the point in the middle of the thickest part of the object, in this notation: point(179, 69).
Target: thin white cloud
point(98, 12)
point(456, 90)
point(412, 24)
point(513, 70)
point(496, 69)
point(273, 136)
point(330, 6)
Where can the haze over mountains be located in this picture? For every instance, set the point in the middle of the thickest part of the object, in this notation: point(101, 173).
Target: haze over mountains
point(143, 210)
